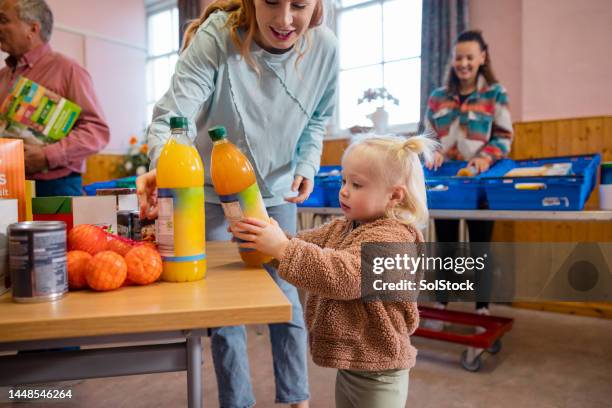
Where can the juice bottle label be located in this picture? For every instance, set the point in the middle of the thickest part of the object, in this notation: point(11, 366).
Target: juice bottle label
point(247, 203)
point(180, 215)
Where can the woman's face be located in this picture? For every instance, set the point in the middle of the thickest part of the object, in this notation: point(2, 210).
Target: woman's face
point(281, 23)
point(468, 57)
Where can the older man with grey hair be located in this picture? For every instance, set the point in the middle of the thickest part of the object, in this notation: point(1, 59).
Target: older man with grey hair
point(25, 30)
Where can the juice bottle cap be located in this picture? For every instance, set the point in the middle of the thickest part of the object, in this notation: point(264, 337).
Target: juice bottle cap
point(217, 133)
point(178, 122)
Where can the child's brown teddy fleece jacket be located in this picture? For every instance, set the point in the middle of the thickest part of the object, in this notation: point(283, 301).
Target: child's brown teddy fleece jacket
point(345, 332)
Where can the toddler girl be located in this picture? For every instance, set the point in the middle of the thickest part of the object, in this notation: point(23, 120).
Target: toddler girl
point(383, 200)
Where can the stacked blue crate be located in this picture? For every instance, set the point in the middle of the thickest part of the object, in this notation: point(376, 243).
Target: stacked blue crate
point(327, 186)
point(125, 182)
point(567, 192)
point(447, 191)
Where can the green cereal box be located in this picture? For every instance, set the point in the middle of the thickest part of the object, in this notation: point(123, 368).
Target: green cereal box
point(30, 105)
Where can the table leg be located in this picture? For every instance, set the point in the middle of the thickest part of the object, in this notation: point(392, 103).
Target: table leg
point(194, 371)
point(463, 233)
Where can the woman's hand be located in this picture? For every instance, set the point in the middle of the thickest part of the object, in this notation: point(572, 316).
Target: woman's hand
point(265, 237)
point(438, 159)
point(481, 164)
point(303, 186)
point(146, 189)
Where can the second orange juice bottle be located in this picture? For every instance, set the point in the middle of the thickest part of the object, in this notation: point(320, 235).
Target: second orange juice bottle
point(234, 181)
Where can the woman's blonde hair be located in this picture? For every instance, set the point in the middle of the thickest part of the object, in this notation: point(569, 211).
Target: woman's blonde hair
point(396, 160)
point(241, 16)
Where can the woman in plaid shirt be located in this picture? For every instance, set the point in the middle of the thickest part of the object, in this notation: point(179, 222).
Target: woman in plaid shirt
point(470, 118)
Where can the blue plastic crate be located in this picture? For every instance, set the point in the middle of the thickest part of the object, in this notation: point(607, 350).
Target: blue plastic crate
point(322, 194)
point(445, 190)
point(125, 182)
point(569, 192)
point(316, 198)
point(332, 185)
point(91, 189)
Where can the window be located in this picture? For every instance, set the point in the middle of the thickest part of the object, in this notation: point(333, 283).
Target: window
point(163, 47)
point(380, 46)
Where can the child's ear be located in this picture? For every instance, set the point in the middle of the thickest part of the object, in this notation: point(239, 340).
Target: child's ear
point(398, 195)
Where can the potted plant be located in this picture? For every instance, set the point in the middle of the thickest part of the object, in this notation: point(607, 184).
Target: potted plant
point(380, 117)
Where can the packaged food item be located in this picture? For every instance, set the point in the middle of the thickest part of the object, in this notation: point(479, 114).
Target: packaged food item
point(549, 169)
point(37, 261)
point(142, 229)
point(467, 171)
point(97, 210)
point(12, 173)
point(8, 209)
point(234, 181)
point(126, 197)
point(180, 197)
point(124, 224)
point(47, 115)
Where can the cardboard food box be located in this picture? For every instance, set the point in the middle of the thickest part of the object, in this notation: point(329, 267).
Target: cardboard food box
point(30, 105)
point(76, 210)
point(8, 215)
point(12, 173)
point(127, 200)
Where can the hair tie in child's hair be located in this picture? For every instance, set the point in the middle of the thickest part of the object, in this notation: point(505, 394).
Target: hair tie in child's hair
point(421, 144)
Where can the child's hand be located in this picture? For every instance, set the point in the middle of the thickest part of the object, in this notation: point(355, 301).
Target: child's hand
point(265, 237)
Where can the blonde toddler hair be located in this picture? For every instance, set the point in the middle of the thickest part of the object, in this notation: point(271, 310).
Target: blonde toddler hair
point(396, 161)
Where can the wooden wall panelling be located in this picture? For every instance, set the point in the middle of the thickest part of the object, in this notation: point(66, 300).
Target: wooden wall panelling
point(561, 138)
point(101, 167)
point(332, 151)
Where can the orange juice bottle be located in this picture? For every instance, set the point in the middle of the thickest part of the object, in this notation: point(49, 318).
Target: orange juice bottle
point(180, 197)
point(234, 181)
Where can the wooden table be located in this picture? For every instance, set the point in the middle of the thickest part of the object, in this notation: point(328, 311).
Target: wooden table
point(160, 314)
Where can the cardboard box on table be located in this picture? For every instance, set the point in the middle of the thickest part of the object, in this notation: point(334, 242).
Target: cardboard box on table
point(96, 210)
point(12, 173)
point(36, 113)
point(8, 215)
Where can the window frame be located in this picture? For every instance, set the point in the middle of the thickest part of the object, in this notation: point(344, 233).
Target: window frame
point(154, 7)
point(409, 127)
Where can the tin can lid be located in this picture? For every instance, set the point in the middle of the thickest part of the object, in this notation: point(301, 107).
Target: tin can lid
point(37, 226)
point(115, 191)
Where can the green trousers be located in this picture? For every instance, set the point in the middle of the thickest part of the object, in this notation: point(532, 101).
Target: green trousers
point(371, 389)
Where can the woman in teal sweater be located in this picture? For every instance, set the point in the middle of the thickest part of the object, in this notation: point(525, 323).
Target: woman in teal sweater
point(267, 71)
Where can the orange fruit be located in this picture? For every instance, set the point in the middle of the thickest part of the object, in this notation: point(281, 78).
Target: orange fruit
point(144, 265)
point(119, 244)
point(88, 238)
point(76, 263)
point(107, 270)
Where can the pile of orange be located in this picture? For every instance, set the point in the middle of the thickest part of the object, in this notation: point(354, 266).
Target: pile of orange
point(103, 261)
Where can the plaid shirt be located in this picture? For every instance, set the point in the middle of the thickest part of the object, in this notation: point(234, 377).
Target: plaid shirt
point(480, 127)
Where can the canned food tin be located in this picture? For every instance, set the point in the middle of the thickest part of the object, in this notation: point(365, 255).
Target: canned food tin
point(124, 224)
point(142, 229)
point(37, 260)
